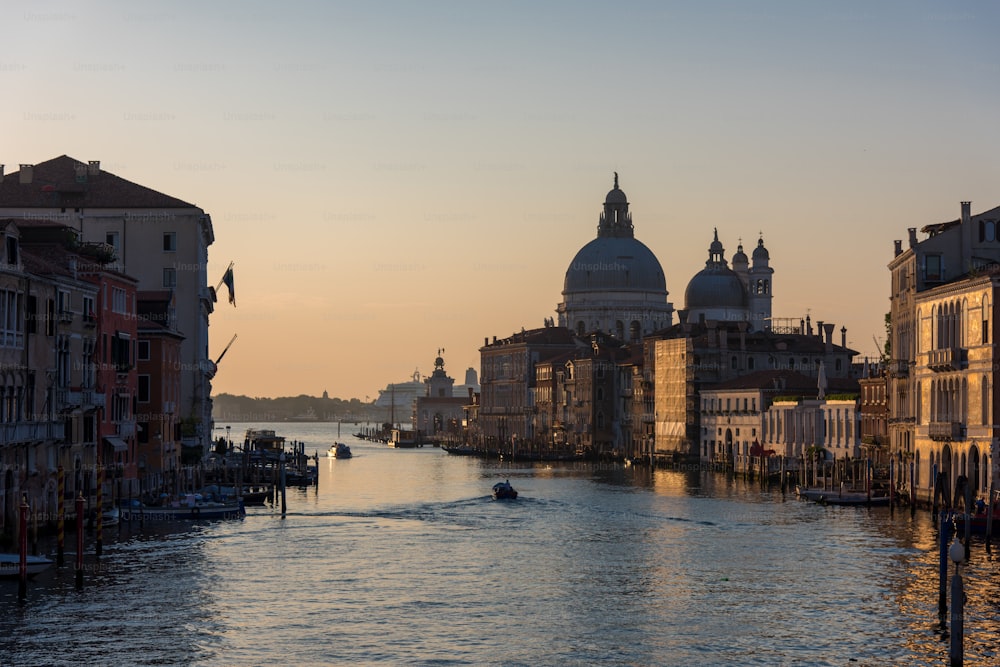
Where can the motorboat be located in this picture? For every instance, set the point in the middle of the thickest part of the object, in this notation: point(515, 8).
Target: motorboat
point(339, 450)
point(504, 491)
point(10, 565)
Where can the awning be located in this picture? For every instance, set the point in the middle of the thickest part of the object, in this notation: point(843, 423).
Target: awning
point(119, 444)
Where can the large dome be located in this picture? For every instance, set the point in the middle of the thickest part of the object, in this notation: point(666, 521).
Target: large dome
point(615, 284)
point(615, 263)
point(715, 287)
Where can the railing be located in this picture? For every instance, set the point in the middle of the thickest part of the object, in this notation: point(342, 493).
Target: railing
point(943, 431)
point(27, 431)
point(899, 367)
point(945, 359)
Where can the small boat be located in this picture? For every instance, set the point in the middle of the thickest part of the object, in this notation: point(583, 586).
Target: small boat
point(504, 491)
point(339, 450)
point(835, 497)
point(10, 565)
point(977, 523)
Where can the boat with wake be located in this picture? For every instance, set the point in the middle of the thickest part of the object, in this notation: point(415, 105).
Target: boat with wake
point(504, 491)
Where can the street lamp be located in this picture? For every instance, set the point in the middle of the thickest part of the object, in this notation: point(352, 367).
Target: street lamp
point(957, 555)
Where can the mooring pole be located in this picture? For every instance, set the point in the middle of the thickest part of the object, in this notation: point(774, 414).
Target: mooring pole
point(943, 534)
point(22, 543)
point(79, 542)
point(61, 517)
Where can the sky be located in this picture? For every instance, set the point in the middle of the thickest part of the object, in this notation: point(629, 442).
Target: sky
point(392, 178)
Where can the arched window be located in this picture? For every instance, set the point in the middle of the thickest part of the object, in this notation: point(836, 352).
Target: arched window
point(749, 363)
point(734, 362)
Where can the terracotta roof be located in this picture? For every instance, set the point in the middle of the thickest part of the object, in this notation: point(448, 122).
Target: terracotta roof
point(64, 182)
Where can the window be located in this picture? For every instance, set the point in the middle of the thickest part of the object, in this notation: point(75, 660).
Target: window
point(169, 241)
point(143, 389)
point(170, 277)
point(89, 311)
point(142, 350)
point(987, 230)
point(119, 301)
point(113, 240)
point(932, 268)
point(749, 363)
point(12, 250)
point(11, 319)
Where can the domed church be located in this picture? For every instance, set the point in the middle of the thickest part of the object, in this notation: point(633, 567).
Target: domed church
point(615, 284)
point(738, 294)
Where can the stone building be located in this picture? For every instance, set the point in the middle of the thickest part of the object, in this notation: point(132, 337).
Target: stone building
point(943, 370)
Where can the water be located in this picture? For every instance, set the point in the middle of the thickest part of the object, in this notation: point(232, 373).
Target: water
point(402, 557)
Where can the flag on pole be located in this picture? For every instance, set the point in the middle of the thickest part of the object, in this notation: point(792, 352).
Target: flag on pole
point(228, 280)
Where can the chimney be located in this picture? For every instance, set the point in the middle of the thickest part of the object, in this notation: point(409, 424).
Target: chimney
point(828, 338)
point(93, 168)
point(1, 171)
point(913, 236)
point(966, 212)
point(843, 336)
point(819, 328)
point(486, 341)
point(898, 248)
point(27, 174)
point(809, 326)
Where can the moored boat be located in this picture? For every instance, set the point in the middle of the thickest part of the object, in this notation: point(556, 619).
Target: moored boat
point(10, 565)
point(840, 497)
point(504, 491)
point(184, 511)
point(977, 522)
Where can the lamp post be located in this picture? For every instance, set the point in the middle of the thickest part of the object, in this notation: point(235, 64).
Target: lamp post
point(957, 554)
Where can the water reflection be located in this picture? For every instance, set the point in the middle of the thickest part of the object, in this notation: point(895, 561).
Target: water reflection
point(401, 556)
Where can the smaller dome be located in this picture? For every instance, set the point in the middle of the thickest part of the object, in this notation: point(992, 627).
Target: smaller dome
point(616, 196)
point(715, 287)
point(760, 252)
point(740, 257)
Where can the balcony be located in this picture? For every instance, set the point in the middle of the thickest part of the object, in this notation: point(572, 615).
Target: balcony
point(89, 320)
point(944, 431)
point(65, 316)
point(945, 359)
point(16, 432)
point(899, 368)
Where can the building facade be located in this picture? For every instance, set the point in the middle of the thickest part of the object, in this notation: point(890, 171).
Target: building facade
point(160, 240)
point(942, 373)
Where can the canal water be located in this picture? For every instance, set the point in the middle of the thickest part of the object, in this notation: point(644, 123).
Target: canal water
point(402, 557)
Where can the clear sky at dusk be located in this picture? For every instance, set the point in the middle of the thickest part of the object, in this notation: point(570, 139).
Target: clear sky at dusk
point(391, 178)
